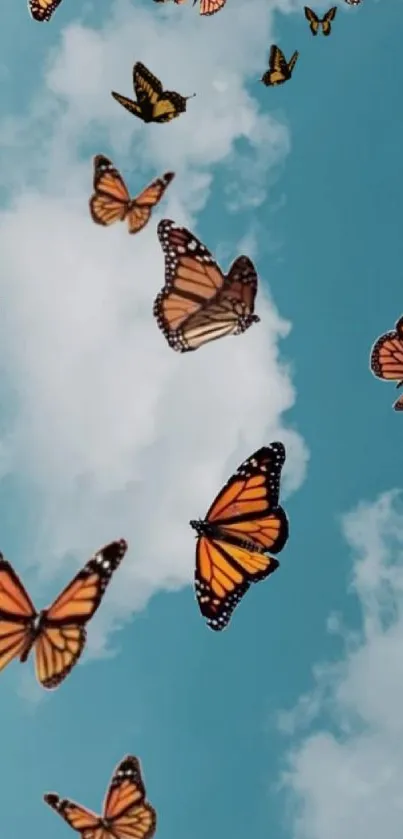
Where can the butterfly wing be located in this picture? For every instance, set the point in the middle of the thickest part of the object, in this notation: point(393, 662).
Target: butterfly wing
point(192, 281)
point(278, 68)
point(62, 637)
point(17, 616)
point(386, 360)
point(77, 817)
point(142, 205)
point(125, 807)
point(313, 20)
point(292, 62)
point(110, 201)
point(230, 313)
point(147, 87)
point(326, 22)
point(247, 521)
point(210, 7)
point(133, 107)
point(169, 106)
point(42, 10)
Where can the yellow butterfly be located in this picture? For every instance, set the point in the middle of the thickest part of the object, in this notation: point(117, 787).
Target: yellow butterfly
point(43, 9)
point(279, 70)
point(315, 22)
point(153, 103)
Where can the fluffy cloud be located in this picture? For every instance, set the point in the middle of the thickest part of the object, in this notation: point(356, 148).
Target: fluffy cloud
point(110, 431)
point(345, 778)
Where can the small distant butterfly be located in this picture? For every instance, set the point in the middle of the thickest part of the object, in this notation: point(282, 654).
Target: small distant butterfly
point(243, 523)
point(126, 813)
point(279, 70)
point(325, 22)
point(386, 360)
point(42, 10)
point(111, 201)
point(353, 2)
point(153, 103)
point(57, 634)
point(199, 303)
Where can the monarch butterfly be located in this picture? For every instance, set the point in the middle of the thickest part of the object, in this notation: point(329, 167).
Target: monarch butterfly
point(315, 22)
point(111, 201)
point(153, 103)
point(386, 360)
point(57, 633)
point(279, 71)
point(126, 813)
point(243, 522)
point(43, 9)
point(207, 7)
point(199, 303)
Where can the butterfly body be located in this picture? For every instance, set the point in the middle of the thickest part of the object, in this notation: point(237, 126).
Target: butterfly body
point(57, 633)
point(198, 303)
point(279, 70)
point(325, 22)
point(243, 523)
point(126, 813)
point(153, 103)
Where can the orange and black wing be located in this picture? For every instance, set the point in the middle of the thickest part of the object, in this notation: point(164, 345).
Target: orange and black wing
point(42, 10)
point(63, 635)
point(192, 281)
point(110, 201)
point(386, 360)
point(327, 19)
point(210, 7)
point(125, 806)
point(141, 206)
point(77, 817)
point(243, 523)
point(313, 20)
point(17, 616)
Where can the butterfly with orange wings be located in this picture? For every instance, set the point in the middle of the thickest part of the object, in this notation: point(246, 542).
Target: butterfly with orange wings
point(199, 303)
point(243, 523)
point(126, 814)
point(111, 201)
point(386, 360)
point(57, 634)
point(207, 7)
point(316, 22)
point(42, 10)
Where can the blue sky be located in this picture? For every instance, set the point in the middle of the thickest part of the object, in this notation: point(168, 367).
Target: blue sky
point(93, 448)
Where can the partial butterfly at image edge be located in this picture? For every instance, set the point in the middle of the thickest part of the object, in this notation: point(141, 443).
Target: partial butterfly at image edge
point(243, 523)
point(57, 634)
point(386, 359)
point(42, 10)
point(125, 812)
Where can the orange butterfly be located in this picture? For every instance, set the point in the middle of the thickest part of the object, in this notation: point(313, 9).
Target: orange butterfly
point(242, 524)
point(199, 303)
point(42, 10)
point(111, 201)
point(210, 7)
point(386, 360)
point(126, 814)
point(57, 633)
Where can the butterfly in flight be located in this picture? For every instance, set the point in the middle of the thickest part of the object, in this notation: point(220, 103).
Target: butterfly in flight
point(207, 7)
point(353, 2)
point(325, 22)
point(279, 70)
point(42, 10)
point(111, 201)
point(153, 103)
point(57, 634)
point(199, 303)
point(126, 813)
point(386, 360)
point(243, 523)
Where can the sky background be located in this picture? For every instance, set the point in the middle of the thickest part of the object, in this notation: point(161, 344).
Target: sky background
point(289, 724)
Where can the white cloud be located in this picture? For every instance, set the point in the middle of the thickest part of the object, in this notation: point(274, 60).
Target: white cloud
point(114, 434)
point(344, 778)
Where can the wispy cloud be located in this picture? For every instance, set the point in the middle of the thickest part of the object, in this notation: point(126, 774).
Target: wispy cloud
point(112, 433)
point(344, 777)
